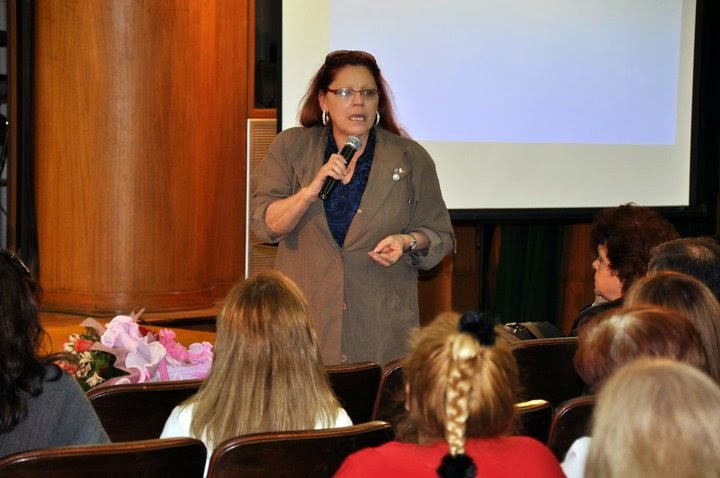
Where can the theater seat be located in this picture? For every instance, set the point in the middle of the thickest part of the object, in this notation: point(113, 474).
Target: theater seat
point(176, 457)
point(138, 411)
point(390, 401)
point(571, 421)
point(298, 454)
point(534, 419)
point(356, 386)
point(546, 369)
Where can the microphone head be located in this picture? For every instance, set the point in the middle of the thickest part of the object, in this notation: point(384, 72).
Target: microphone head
point(354, 142)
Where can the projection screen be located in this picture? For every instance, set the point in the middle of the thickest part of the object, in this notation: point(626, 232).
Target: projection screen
point(523, 105)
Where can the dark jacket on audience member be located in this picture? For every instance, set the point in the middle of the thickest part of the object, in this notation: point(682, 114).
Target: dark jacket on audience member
point(60, 416)
point(592, 311)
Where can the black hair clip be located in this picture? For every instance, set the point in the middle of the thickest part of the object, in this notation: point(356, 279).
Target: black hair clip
point(458, 466)
point(480, 325)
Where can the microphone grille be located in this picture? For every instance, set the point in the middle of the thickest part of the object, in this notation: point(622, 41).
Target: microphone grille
point(354, 142)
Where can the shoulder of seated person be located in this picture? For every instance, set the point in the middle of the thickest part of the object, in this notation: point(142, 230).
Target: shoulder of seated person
point(591, 311)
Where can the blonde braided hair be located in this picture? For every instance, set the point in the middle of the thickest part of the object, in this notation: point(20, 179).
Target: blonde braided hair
point(468, 362)
point(464, 354)
point(460, 384)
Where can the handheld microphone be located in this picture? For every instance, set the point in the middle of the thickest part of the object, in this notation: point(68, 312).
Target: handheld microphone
point(352, 144)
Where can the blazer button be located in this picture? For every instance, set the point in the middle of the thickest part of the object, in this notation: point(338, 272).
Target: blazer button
point(344, 306)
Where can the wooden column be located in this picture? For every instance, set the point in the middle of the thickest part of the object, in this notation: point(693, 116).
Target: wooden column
point(140, 142)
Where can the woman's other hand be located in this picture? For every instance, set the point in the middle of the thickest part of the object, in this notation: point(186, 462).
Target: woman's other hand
point(389, 250)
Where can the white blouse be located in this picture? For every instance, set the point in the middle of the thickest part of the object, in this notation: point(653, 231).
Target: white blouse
point(178, 425)
point(574, 463)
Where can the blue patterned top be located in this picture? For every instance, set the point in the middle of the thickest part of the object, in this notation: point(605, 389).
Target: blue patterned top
point(343, 203)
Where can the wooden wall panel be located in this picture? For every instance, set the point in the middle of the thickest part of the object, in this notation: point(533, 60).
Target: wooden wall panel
point(435, 290)
point(227, 127)
point(467, 276)
point(576, 273)
point(139, 125)
point(261, 256)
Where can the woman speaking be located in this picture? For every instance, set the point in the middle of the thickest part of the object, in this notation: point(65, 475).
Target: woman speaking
point(355, 253)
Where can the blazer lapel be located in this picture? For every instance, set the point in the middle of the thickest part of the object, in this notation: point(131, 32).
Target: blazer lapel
point(388, 161)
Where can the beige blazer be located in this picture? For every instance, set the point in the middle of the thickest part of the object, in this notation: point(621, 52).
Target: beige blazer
point(362, 311)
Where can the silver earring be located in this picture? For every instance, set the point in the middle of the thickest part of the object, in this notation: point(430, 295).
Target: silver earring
point(377, 118)
point(325, 117)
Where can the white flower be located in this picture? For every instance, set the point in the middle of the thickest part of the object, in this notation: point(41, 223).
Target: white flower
point(86, 358)
point(83, 370)
point(94, 380)
point(69, 346)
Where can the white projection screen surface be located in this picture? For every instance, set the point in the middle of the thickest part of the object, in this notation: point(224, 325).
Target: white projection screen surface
point(523, 104)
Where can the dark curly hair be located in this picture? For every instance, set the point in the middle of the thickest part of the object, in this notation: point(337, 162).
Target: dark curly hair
point(629, 232)
point(311, 115)
point(22, 372)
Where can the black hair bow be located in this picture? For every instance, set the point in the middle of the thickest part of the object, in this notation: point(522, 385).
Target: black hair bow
point(458, 466)
point(480, 325)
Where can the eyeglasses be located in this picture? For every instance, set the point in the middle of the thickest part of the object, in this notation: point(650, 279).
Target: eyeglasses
point(16, 262)
point(347, 93)
point(357, 53)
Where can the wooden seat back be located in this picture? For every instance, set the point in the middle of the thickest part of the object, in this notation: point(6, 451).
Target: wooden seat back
point(534, 419)
point(546, 369)
point(356, 386)
point(316, 453)
point(571, 421)
point(390, 401)
point(138, 411)
point(176, 457)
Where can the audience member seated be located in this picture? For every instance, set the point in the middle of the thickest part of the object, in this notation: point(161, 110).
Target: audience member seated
point(40, 405)
point(618, 337)
point(659, 418)
point(622, 237)
point(267, 374)
point(695, 256)
point(460, 393)
point(690, 297)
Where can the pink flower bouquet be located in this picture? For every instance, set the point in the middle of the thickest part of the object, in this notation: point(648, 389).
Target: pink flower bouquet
point(125, 352)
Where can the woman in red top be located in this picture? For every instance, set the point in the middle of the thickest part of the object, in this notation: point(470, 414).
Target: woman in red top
point(461, 388)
